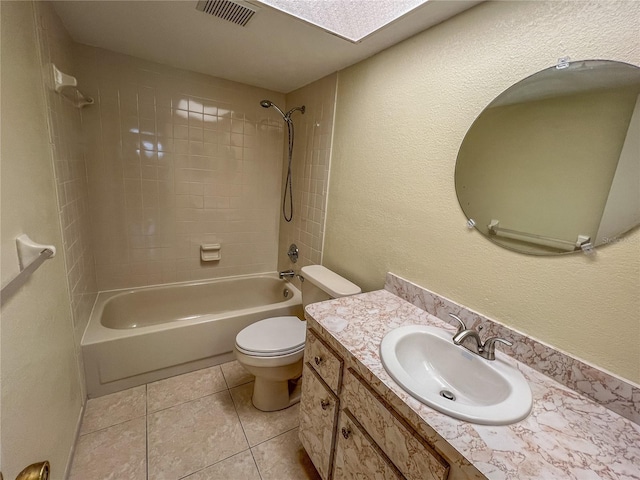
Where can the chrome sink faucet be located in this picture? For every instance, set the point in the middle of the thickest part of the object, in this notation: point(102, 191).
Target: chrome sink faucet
point(486, 349)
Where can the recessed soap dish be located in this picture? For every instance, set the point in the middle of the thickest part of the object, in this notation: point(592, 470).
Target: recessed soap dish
point(210, 252)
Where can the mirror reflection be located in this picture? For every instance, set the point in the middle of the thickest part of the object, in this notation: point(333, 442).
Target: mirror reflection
point(552, 165)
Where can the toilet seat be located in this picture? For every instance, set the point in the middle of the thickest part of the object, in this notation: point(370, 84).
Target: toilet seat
point(272, 337)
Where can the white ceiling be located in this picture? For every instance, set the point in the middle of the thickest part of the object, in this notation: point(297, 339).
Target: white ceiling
point(274, 51)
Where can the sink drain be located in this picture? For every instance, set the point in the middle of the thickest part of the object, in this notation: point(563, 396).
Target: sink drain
point(448, 395)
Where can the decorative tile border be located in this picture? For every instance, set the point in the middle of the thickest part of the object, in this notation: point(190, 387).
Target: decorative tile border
point(617, 395)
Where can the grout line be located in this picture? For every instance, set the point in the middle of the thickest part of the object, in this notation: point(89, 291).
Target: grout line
point(275, 436)
point(187, 401)
point(109, 426)
point(235, 408)
point(255, 462)
point(224, 377)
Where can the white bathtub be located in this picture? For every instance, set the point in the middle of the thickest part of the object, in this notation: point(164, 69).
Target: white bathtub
point(141, 335)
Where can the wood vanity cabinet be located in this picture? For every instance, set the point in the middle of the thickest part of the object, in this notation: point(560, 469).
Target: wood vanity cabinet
point(357, 455)
point(318, 415)
point(350, 432)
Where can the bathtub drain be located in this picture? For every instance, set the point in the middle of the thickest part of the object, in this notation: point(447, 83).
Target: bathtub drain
point(286, 293)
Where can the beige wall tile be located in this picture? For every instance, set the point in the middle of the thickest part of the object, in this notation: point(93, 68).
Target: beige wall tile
point(199, 125)
point(310, 167)
point(66, 133)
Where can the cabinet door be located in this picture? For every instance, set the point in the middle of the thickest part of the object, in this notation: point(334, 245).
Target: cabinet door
point(318, 415)
point(323, 360)
point(413, 456)
point(357, 457)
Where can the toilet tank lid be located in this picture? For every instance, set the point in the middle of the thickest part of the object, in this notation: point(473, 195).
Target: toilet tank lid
point(329, 281)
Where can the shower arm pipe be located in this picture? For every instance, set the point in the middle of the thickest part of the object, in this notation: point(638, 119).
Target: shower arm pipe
point(285, 116)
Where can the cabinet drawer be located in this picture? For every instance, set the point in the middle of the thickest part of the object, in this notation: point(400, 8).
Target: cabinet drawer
point(415, 458)
point(323, 360)
point(318, 415)
point(357, 456)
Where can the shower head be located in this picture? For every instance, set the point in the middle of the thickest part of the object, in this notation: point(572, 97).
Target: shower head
point(285, 116)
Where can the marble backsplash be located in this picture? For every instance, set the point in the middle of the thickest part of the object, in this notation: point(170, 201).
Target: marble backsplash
point(604, 388)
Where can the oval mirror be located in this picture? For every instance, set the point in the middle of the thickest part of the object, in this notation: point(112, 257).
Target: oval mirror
point(552, 165)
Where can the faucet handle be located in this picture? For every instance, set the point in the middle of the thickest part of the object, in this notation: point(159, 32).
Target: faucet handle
point(489, 346)
point(462, 326)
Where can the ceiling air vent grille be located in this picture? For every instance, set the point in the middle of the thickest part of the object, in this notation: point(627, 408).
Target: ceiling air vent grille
point(235, 12)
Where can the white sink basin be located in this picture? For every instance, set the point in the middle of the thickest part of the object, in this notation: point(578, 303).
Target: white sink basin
point(426, 363)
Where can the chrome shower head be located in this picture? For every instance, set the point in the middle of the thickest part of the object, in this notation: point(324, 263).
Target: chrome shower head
point(269, 103)
point(285, 116)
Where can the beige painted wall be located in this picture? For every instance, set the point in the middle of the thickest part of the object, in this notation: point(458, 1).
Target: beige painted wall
point(622, 209)
point(400, 119)
point(41, 388)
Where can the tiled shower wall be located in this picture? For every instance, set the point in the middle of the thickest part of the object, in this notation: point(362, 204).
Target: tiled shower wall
point(310, 167)
point(178, 159)
point(167, 160)
point(65, 136)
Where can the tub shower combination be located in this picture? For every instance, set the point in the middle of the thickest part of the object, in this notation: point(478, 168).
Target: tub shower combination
point(141, 335)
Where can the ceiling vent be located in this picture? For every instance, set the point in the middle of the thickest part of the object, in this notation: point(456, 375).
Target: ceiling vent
point(235, 12)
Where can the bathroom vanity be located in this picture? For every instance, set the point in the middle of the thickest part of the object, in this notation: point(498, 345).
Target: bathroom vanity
point(356, 422)
point(349, 430)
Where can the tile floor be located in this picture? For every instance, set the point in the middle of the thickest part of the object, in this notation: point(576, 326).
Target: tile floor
point(196, 426)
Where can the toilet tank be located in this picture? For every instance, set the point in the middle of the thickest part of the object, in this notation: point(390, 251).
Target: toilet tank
point(321, 284)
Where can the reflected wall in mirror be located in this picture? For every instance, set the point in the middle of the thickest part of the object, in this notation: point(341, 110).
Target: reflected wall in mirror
point(553, 163)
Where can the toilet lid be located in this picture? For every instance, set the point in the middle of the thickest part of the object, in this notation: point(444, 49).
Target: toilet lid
point(272, 336)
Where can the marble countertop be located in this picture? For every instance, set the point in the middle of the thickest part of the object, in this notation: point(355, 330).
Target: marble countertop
point(566, 436)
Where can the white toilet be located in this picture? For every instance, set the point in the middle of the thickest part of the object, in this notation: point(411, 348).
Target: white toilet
point(272, 349)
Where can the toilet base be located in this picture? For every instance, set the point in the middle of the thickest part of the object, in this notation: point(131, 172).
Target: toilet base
point(272, 389)
point(269, 395)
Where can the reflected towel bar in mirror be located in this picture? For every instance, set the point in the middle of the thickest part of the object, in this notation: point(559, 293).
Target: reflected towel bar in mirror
point(495, 229)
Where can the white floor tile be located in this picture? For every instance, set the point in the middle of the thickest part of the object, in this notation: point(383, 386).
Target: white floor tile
point(258, 425)
point(113, 409)
point(183, 388)
point(193, 435)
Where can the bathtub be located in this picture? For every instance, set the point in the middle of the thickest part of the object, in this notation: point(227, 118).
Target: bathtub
point(141, 335)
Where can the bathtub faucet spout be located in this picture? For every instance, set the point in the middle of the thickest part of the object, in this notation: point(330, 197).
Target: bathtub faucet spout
point(287, 274)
